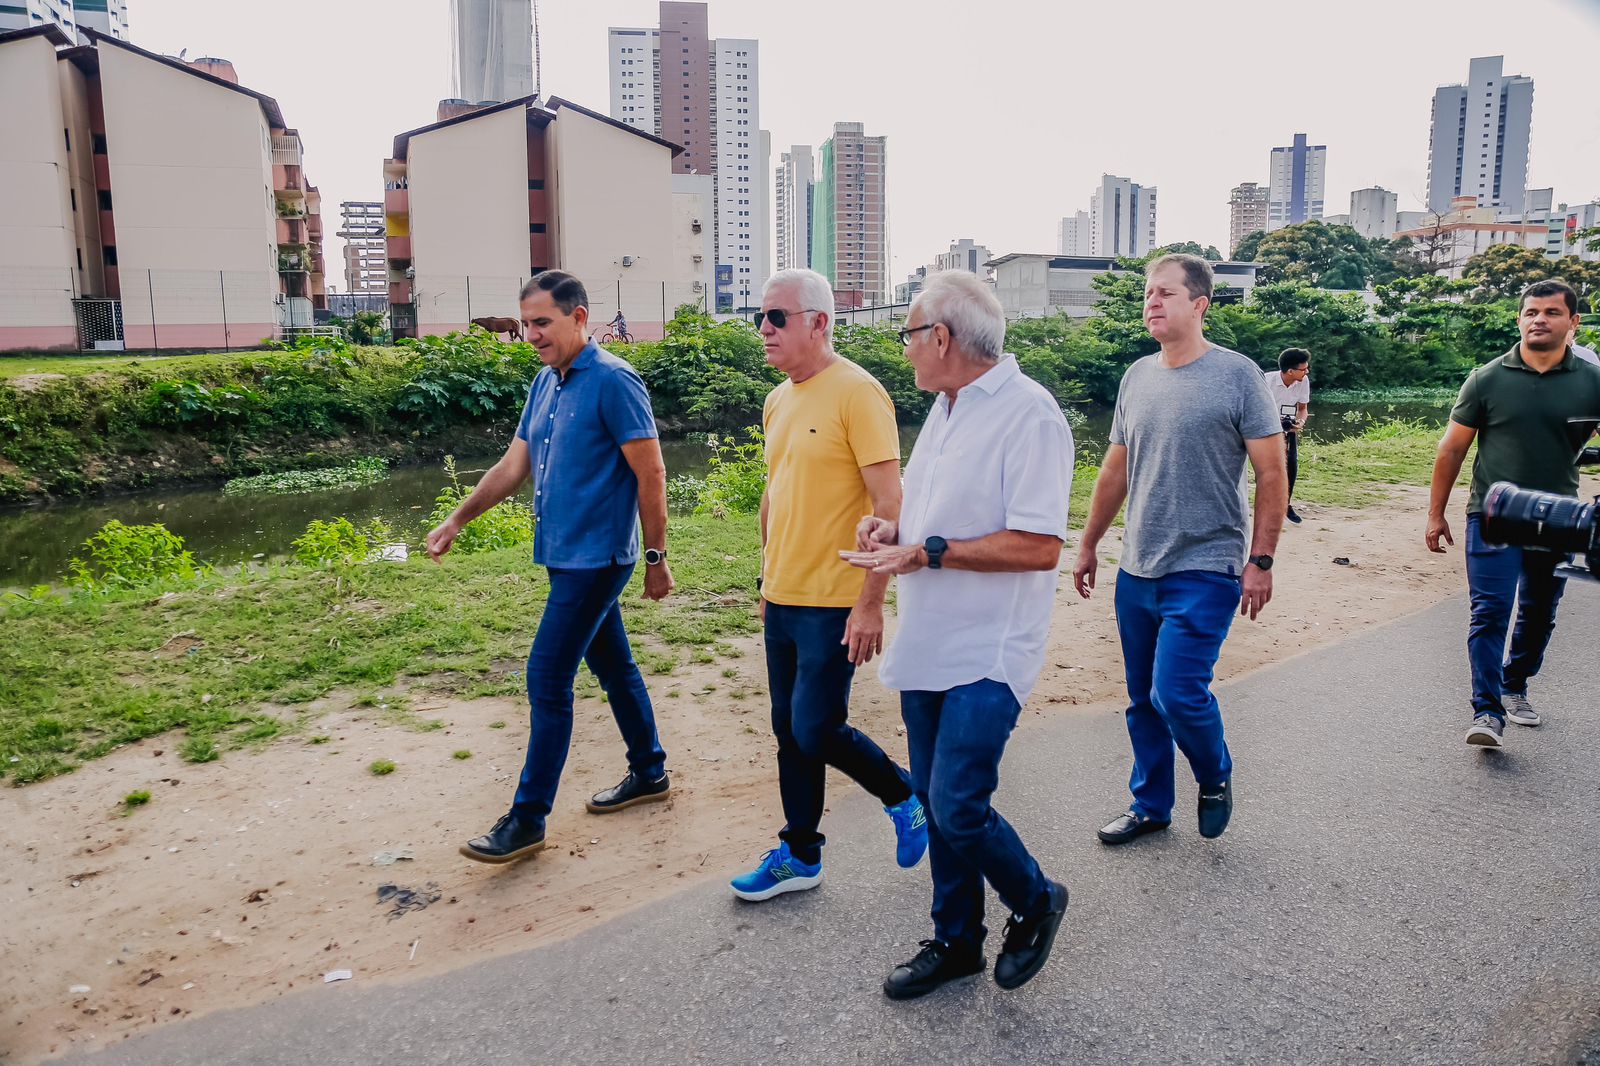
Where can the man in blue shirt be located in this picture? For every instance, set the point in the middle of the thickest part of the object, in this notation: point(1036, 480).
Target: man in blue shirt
point(587, 438)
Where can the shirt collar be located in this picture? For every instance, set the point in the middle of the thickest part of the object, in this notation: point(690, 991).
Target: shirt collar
point(1513, 358)
point(993, 379)
point(586, 358)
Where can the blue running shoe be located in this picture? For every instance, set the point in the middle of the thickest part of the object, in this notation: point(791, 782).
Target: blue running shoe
point(777, 872)
point(910, 831)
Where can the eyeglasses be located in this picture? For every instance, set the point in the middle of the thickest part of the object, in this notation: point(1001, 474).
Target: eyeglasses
point(779, 317)
point(905, 334)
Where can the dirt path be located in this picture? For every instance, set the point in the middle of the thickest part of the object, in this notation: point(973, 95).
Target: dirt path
point(248, 877)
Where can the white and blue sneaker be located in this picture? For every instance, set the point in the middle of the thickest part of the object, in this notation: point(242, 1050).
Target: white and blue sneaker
point(910, 831)
point(777, 872)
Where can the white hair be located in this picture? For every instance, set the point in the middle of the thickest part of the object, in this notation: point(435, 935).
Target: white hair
point(968, 309)
point(814, 291)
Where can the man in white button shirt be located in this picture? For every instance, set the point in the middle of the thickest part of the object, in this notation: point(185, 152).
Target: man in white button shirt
point(1290, 386)
point(978, 549)
point(1586, 354)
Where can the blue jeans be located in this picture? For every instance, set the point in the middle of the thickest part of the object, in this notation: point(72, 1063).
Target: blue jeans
point(582, 622)
point(809, 672)
point(956, 740)
point(1497, 576)
point(1172, 629)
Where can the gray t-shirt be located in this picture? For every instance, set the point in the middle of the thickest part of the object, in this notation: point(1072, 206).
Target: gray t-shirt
point(1185, 430)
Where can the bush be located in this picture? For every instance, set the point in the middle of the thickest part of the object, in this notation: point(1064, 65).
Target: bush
point(122, 557)
point(178, 404)
point(469, 377)
point(505, 525)
point(339, 543)
point(737, 479)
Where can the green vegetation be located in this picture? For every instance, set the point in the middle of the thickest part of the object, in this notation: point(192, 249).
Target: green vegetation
point(367, 471)
point(339, 543)
point(122, 557)
point(737, 479)
point(381, 767)
point(1355, 471)
point(135, 799)
point(462, 754)
point(506, 525)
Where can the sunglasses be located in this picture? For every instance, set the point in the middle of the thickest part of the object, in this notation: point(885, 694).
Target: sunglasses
point(779, 318)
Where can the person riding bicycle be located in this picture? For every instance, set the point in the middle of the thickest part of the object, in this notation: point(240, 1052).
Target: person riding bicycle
point(619, 326)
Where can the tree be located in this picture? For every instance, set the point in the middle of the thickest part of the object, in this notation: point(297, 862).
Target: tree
point(1502, 271)
point(1330, 257)
point(1434, 246)
point(1208, 251)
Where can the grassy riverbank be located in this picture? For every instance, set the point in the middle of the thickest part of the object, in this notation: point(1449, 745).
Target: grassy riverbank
point(240, 657)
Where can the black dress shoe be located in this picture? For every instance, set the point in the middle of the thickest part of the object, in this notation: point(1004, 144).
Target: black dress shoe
point(510, 839)
point(1216, 807)
point(1028, 941)
point(936, 964)
point(1129, 826)
point(630, 790)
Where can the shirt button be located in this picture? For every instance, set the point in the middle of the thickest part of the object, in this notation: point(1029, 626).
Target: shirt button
point(547, 440)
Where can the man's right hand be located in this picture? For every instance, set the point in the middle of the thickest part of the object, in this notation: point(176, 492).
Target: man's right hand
point(873, 531)
point(1438, 528)
point(1083, 570)
point(440, 540)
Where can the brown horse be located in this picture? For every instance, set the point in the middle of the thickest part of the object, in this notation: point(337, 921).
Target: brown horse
point(501, 325)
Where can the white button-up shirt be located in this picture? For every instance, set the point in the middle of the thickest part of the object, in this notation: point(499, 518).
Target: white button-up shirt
point(1000, 459)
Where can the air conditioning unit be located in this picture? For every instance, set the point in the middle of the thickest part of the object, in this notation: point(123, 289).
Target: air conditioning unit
point(699, 286)
point(695, 225)
point(699, 259)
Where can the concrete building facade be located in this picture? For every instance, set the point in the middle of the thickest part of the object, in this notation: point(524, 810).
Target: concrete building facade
point(1247, 212)
point(109, 18)
point(150, 204)
point(794, 189)
point(1122, 218)
point(1296, 183)
point(850, 220)
point(1373, 212)
point(1039, 286)
point(366, 260)
point(964, 254)
point(491, 50)
point(1072, 235)
point(477, 204)
point(1478, 141)
point(1467, 229)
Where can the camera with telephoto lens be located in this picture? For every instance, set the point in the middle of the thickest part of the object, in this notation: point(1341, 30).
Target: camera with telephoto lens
point(1286, 412)
point(1548, 521)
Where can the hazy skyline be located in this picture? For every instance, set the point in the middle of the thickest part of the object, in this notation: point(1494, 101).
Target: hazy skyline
point(997, 127)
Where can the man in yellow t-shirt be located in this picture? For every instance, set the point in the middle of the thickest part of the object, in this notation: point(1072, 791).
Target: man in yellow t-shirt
point(833, 456)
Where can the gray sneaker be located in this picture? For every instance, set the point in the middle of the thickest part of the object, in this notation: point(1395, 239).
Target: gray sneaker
point(1486, 731)
point(1518, 709)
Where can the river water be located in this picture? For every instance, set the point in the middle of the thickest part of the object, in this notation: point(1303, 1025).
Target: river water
point(37, 542)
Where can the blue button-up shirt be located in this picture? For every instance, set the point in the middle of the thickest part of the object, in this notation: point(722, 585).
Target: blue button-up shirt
point(585, 495)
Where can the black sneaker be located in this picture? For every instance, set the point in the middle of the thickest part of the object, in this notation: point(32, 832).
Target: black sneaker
point(630, 790)
point(1215, 808)
point(936, 964)
point(510, 839)
point(1028, 941)
point(1486, 731)
point(1291, 516)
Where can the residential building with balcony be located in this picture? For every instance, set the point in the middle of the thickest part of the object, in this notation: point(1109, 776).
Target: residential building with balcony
point(1039, 286)
point(150, 204)
point(366, 254)
point(850, 217)
point(1466, 229)
point(1297, 181)
point(1478, 140)
point(1247, 212)
point(477, 204)
point(109, 18)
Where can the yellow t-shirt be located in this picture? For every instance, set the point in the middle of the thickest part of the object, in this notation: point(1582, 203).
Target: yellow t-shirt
point(820, 433)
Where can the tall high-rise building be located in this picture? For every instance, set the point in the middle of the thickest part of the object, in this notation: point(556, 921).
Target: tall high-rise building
point(795, 187)
point(1373, 212)
point(1247, 212)
point(964, 254)
point(366, 257)
point(1122, 218)
point(1478, 144)
point(703, 93)
point(492, 54)
point(109, 18)
point(1295, 183)
point(850, 220)
point(1072, 237)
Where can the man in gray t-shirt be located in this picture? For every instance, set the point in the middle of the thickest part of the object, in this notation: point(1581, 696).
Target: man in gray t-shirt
point(1187, 420)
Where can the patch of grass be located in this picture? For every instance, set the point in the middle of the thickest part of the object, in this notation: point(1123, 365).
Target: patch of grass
point(380, 767)
point(1357, 471)
point(319, 739)
point(198, 750)
point(135, 799)
point(497, 725)
point(462, 754)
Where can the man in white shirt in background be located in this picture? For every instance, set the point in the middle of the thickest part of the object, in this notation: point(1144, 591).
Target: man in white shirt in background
point(978, 551)
point(1586, 354)
point(1290, 386)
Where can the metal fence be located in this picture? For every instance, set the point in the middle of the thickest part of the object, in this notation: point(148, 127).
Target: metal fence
point(441, 303)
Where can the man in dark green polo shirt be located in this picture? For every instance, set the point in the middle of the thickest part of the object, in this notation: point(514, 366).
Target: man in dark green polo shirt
point(1517, 407)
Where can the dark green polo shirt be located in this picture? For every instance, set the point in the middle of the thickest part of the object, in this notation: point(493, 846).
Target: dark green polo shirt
point(1521, 418)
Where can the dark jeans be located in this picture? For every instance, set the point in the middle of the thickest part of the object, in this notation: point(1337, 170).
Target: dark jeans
point(956, 740)
point(809, 672)
point(1292, 447)
point(582, 622)
point(1497, 576)
point(1172, 630)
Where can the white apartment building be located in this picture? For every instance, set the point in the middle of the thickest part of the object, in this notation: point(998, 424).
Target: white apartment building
point(366, 259)
point(1478, 143)
point(1373, 212)
point(965, 255)
point(1072, 236)
point(1039, 286)
point(491, 50)
point(106, 17)
point(1467, 229)
point(795, 188)
point(1296, 181)
point(1122, 218)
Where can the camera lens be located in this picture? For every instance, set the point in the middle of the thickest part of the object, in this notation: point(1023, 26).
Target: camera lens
point(1533, 519)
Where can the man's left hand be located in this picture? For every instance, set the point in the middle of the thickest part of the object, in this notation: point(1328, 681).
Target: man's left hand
point(888, 559)
point(1257, 591)
point(863, 633)
point(657, 581)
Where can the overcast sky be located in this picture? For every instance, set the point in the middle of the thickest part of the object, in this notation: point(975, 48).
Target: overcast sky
point(1001, 115)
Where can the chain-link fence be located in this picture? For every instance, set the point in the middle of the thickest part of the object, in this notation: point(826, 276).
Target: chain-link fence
point(430, 304)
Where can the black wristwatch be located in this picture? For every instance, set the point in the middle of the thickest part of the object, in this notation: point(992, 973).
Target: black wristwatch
point(655, 556)
point(935, 547)
point(1263, 562)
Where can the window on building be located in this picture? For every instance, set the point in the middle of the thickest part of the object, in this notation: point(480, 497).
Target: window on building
point(536, 227)
point(105, 199)
point(99, 144)
point(110, 255)
point(535, 184)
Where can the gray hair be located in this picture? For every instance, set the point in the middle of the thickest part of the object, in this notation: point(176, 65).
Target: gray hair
point(968, 309)
point(815, 292)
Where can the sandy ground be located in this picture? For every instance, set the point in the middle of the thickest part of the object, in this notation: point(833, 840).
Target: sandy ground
point(248, 877)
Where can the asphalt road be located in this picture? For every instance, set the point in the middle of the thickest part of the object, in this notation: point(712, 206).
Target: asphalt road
point(1385, 894)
